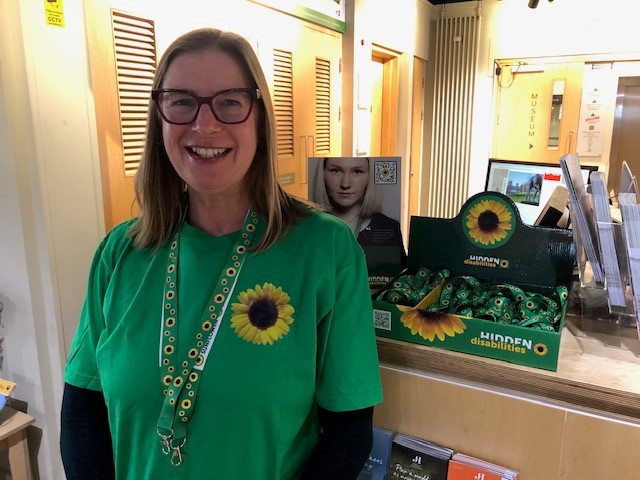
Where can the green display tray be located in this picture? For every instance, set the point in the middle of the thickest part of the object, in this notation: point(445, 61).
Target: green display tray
point(536, 259)
point(519, 345)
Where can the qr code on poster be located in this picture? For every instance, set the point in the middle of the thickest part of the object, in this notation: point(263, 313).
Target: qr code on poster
point(385, 172)
point(382, 319)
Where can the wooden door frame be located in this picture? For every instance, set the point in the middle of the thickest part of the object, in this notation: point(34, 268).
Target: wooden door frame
point(615, 164)
point(390, 92)
point(97, 18)
point(417, 137)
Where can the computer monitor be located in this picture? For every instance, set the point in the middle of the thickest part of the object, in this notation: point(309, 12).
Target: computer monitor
point(528, 184)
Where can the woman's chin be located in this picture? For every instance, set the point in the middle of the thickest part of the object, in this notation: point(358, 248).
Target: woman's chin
point(345, 204)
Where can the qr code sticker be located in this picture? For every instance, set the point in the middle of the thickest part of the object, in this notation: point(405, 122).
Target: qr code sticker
point(382, 319)
point(385, 172)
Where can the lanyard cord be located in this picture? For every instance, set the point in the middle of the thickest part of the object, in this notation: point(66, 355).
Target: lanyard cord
point(180, 380)
point(466, 296)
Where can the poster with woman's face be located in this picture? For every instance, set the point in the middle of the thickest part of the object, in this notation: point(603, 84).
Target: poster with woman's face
point(364, 192)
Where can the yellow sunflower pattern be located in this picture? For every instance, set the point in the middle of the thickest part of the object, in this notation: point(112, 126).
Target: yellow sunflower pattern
point(263, 315)
point(540, 349)
point(430, 324)
point(489, 222)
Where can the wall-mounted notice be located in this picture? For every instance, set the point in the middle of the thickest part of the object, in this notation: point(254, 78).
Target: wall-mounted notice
point(328, 13)
point(54, 13)
point(591, 123)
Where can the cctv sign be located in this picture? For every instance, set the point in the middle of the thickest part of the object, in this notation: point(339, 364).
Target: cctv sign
point(54, 13)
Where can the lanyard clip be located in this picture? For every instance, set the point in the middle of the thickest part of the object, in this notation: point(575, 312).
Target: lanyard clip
point(165, 442)
point(176, 456)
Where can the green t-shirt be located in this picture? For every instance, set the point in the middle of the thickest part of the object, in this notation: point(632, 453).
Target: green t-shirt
point(255, 414)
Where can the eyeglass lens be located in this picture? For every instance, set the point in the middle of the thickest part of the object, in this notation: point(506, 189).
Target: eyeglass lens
point(182, 107)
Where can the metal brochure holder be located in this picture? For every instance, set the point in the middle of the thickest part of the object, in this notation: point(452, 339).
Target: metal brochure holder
point(599, 314)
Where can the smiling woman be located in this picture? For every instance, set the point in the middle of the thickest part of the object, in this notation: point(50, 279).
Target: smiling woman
point(202, 331)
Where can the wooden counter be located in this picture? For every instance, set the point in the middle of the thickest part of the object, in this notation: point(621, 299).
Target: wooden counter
point(591, 375)
point(579, 422)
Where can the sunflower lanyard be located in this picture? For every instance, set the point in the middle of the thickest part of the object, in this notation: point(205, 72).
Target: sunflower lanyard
point(180, 387)
point(466, 296)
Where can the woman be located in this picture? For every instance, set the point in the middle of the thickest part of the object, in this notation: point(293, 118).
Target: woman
point(346, 187)
point(205, 349)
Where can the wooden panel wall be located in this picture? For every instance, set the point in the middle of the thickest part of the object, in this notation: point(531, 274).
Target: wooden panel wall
point(540, 441)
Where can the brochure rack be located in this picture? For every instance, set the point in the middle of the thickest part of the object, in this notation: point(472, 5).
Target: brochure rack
point(596, 296)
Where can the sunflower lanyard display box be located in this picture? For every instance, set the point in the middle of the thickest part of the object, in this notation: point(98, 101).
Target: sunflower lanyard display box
point(482, 283)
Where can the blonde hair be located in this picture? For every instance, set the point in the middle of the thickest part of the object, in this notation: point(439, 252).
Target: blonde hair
point(160, 192)
point(371, 203)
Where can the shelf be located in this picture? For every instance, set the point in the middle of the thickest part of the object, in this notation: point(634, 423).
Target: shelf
point(586, 379)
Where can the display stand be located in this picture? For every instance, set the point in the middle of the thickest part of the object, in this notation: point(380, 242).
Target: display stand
point(597, 311)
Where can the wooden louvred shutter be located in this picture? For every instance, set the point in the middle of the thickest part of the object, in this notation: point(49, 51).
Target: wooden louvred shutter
point(135, 55)
point(283, 100)
point(323, 106)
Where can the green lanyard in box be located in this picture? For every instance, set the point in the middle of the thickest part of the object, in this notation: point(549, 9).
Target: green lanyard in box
point(180, 380)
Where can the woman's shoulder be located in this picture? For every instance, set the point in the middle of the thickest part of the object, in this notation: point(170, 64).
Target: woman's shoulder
point(121, 230)
point(322, 222)
point(123, 227)
point(379, 218)
point(314, 223)
point(118, 238)
point(323, 235)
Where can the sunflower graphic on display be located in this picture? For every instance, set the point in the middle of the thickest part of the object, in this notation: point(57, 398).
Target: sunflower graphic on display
point(489, 222)
point(429, 323)
point(263, 315)
point(540, 349)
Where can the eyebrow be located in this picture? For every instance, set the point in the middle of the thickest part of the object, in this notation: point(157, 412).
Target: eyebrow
point(188, 90)
point(345, 167)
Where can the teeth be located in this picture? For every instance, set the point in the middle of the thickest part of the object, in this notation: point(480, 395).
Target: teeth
point(209, 152)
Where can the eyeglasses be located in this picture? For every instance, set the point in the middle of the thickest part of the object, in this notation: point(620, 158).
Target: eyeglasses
point(180, 107)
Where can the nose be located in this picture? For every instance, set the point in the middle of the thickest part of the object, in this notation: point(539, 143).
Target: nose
point(345, 182)
point(206, 122)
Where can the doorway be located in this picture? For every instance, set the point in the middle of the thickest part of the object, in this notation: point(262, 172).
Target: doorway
point(625, 142)
point(384, 103)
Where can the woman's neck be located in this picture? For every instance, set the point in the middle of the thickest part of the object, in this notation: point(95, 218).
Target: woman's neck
point(349, 215)
point(217, 216)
